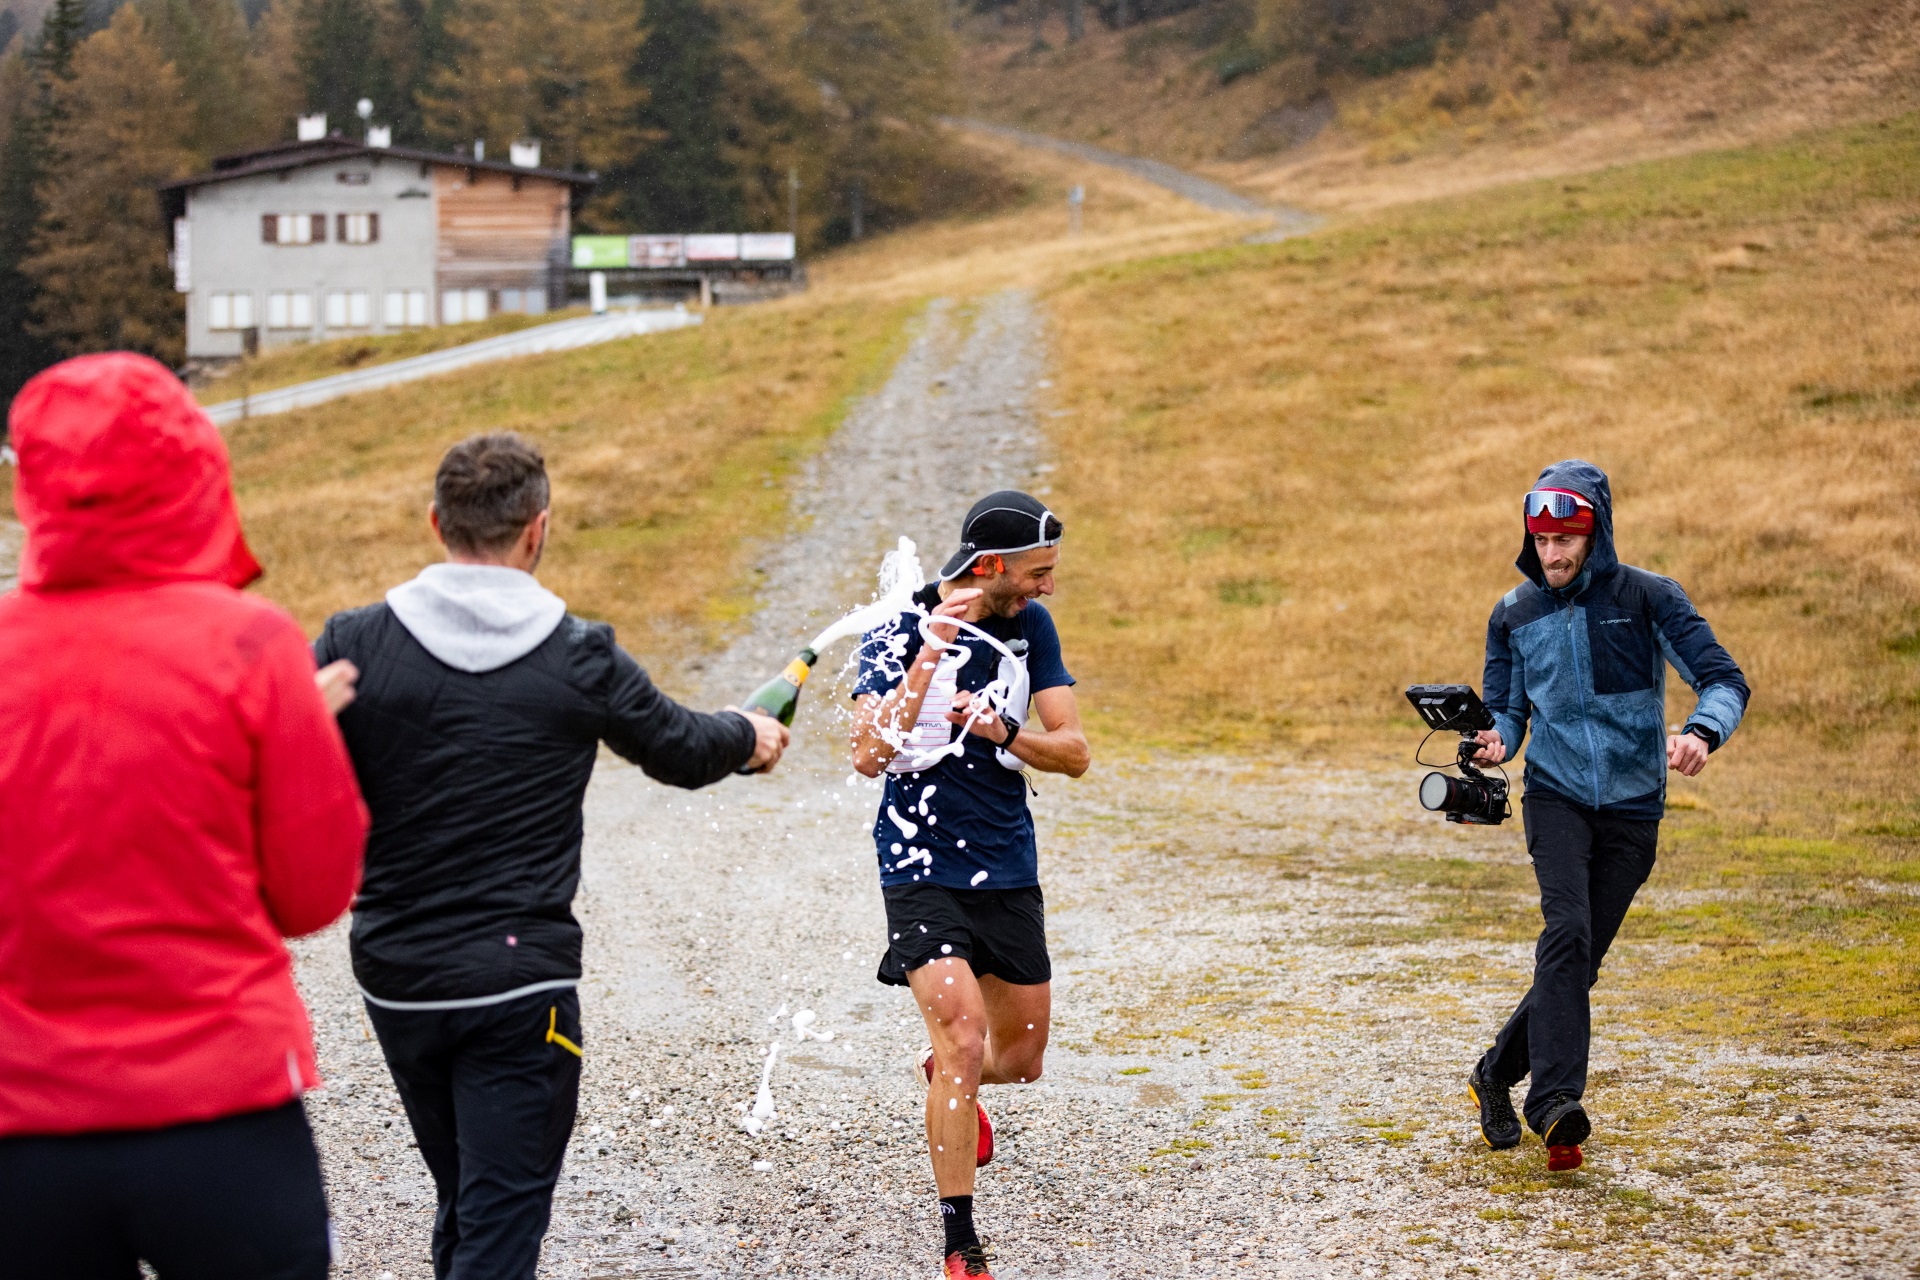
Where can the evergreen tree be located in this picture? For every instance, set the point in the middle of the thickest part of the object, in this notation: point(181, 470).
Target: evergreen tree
point(555, 70)
point(889, 65)
point(340, 52)
point(682, 181)
point(206, 41)
point(416, 50)
point(99, 254)
point(275, 86)
point(29, 81)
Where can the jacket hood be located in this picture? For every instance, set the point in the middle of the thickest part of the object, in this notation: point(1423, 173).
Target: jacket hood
point(122, 480)
point(1590, 482)
point(476, 617)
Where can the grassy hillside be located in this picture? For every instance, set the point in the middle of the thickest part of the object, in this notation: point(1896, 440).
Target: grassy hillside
point(305, 361)
point(1291, 476)
point(667, 455)
point(1535, 87)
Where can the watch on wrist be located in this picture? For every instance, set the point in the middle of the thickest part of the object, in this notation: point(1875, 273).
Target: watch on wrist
point(1013, 731)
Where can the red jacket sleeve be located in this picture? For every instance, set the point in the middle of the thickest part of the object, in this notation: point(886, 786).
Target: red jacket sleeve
point(309, 823)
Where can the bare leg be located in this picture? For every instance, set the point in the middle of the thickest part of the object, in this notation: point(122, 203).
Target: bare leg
point(982, 1029)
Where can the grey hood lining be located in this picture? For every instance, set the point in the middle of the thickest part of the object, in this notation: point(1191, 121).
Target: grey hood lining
point(476, 617)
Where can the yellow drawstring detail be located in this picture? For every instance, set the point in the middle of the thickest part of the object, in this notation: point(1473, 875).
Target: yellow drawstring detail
point(554, 1037)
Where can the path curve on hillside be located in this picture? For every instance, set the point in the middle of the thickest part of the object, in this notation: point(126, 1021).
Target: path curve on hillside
point(1287, 220)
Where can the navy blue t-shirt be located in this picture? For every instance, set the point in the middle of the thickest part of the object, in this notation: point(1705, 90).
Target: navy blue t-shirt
point(962, 822)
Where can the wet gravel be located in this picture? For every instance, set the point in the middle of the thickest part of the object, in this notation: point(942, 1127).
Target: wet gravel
point(1260, 1036)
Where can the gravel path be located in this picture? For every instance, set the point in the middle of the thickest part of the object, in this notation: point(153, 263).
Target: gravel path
point(1262, 1019)
point(1287, 221)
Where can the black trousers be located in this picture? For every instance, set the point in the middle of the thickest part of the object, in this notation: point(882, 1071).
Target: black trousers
point(1589, 865)
point(237, 1198)
point(491, 1094)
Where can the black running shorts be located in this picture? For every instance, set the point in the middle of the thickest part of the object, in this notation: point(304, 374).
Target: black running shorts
point(1002, 932)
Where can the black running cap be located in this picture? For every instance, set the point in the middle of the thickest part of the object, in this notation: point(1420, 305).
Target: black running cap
point(1003, 523)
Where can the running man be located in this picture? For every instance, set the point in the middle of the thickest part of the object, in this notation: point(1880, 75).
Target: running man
point(1581, 649)
point(958, 864)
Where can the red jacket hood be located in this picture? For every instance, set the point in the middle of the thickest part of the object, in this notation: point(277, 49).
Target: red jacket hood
point(122, 480)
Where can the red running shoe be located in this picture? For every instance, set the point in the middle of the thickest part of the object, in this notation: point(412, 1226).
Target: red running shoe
point(1564, 1159)
point(969, 1263)
point(983, 1151)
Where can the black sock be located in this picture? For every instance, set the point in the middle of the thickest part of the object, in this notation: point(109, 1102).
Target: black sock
point(956, 1215)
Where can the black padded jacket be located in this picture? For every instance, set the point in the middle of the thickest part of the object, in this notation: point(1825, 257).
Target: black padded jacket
point(475, 783)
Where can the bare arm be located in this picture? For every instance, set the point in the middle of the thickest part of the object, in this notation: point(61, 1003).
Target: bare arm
point(1059, 746)
point(881, 721)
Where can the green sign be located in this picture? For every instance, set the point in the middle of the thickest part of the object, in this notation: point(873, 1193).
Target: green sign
point(593, 252)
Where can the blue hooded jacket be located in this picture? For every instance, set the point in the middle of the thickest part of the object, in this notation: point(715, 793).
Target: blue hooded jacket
point(1587, 665)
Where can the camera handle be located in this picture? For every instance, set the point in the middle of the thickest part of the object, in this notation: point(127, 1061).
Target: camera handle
point(1469, 747)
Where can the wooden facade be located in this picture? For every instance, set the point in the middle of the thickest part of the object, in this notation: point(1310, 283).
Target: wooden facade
point(499, 230)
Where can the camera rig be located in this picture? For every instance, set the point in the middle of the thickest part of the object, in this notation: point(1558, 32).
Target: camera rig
point(1474, 798)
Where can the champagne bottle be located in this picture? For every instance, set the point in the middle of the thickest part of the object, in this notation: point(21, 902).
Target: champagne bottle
point(780, 696)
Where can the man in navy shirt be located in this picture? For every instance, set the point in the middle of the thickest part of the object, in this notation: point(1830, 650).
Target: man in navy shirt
point(944, 694)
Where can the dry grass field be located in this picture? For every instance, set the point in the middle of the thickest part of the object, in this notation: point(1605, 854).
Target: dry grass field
point(667, 453)
point(305, 361)
point(1291, 475)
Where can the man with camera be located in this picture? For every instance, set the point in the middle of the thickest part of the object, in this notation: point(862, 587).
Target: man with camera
point(1580, 650)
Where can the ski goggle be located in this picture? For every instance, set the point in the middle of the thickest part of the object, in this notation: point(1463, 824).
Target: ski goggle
point(1556, 503)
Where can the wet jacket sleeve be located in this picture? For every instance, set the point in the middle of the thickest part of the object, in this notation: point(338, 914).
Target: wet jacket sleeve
point(1689, 644)
point(310, 827)
point(1503, 686)
point(671, 743)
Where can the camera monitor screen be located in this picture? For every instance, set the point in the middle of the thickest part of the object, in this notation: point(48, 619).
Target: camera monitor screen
point(1450, 706)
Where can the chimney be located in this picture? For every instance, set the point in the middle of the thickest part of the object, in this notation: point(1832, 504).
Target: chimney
point(379, 135)
point(311, 128)
point(525, 153)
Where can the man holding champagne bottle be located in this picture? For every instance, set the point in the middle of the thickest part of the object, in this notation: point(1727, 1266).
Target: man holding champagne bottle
point(946, 721)
point(479, 713)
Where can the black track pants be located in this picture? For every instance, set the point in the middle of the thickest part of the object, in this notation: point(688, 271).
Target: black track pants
point(237, 1198)
point(1589, 866)
point(491, 1094)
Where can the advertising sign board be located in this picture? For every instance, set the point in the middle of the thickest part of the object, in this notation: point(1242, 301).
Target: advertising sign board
point(657, 251)
point(599, 252)
point(713, 248)
point(766, 247)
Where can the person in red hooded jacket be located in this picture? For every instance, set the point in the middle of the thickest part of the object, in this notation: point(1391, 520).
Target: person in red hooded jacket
point(174, 799)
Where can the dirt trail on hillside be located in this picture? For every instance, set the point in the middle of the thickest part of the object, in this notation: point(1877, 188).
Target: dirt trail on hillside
point(1263, 1023)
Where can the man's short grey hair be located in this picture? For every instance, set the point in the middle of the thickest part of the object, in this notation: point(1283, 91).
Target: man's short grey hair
point(487, 490)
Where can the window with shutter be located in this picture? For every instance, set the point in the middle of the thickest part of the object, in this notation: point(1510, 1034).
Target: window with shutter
point(269, 228)
point(319, 221)
point(373, 228)
point(340, 231)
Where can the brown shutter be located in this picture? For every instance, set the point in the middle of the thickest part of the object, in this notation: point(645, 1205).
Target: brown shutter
point(269, 228)
point(319, 228)
point(340, 227)
point(373, 228)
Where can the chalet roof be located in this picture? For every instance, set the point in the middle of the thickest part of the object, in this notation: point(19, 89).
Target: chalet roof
point(333, 149)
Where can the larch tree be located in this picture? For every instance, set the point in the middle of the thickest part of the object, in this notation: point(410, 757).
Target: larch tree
point(887, 68)
point(206, 41)
point(558, 71)
point(99, 255)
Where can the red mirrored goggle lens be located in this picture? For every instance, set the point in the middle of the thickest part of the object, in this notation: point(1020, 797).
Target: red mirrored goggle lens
point(1560, 506)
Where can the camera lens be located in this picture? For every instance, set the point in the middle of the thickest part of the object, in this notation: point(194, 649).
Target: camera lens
point(1474, 800)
